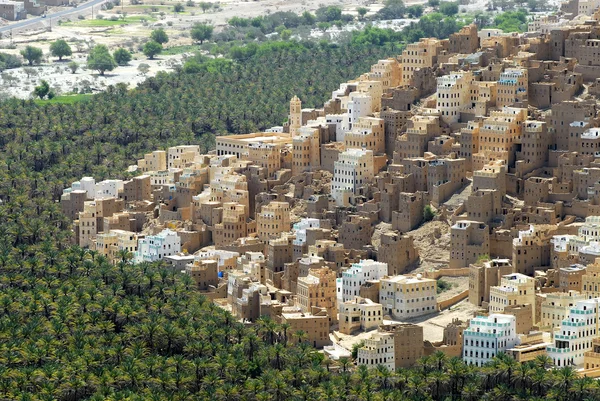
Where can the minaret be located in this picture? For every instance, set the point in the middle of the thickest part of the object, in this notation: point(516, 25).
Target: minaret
point(295, 115)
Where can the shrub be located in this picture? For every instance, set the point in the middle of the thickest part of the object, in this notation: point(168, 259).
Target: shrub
point(428, 213)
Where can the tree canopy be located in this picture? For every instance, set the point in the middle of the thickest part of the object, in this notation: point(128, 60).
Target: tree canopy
point(33, 55)
point(100, 59)
point(159, 36)
point(201, 32)
point(122, 56)
point(60, 49)
point(151, 49)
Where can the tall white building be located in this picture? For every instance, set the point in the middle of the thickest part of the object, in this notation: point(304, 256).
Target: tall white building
point(486, 336)
point(348, 286)
point(453, 92)
point(574, 338)
point(379, 349)
point(353, 169)
point(156, 247)
point(403, 297)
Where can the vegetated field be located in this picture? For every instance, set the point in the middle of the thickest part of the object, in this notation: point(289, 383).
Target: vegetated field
point(90, 23)
point(64, 99)
point(180, 49)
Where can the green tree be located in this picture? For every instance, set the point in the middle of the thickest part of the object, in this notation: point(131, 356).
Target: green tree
point(122, 56)
point(415, 11)
point(73, 66)
point(60, 49)
point(178, 8)
point(33, 55)
point(362, 11)
point(201, 32)
point(159, 36)
point(449, 8)
point(428, 213)
point(42, 89)
point(433, 3)
point(329, 14)
point(100, 59)
point(151, 49)
point(393, 9)
point(308, 18)
point(205, 6)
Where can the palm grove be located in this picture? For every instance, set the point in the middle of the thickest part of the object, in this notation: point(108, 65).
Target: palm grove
point(75, 327)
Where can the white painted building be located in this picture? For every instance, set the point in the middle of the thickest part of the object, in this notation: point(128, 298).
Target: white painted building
point(108, 189)
point(87, 184)
point(359, 105)
point(348, 285)
point(353, 169)
point(486, 336)
point(156, 247)
point(300, 229)
point(403, 296)
point(574, 338)
point(453, 94)
point(379, 349)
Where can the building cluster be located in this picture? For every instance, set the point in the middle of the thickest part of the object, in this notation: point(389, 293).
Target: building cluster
point(13, 10)
point(496, 132)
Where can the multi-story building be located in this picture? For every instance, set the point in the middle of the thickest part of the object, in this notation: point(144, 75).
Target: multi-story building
point(155, 161)
point(306, 150)
point(295, 120)
point(181, 156)
point(512, 87)
point(514, 289)
point(318, 289)
point(266, 155)
point(556, 307)
point(485, 275)
point(315, 325)
point(470, 240)
point(232, 226)
point(348, 286)
point(576, 333)
point(352, 172)
point(419, 55)
point(359, 314)
point(497, 135)
point(156, 247)
point(486, 336)
point(404, 297)
point(366, 133)
point(378, 350)
point(590, 281)
point(273, 220)
point(453, 95)
point(205, 273)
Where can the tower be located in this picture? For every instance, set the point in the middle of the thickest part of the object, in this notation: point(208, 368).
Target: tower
point(295, 115)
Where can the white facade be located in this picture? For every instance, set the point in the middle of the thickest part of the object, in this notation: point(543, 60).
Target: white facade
point(403, 297)
point(300, 229)
point(353, 169)
point(156, 247)
point(338, 120)
point(378, 350)
point(453, 95)
point(359, 105)
point(108, 189)
point(486, 336)
point(87, 184)
point(348, 285)
point(574, 338)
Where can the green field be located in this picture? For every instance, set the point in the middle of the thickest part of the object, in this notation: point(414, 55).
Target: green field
point(170, 51)
point(64, 99)
point(92, 23)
